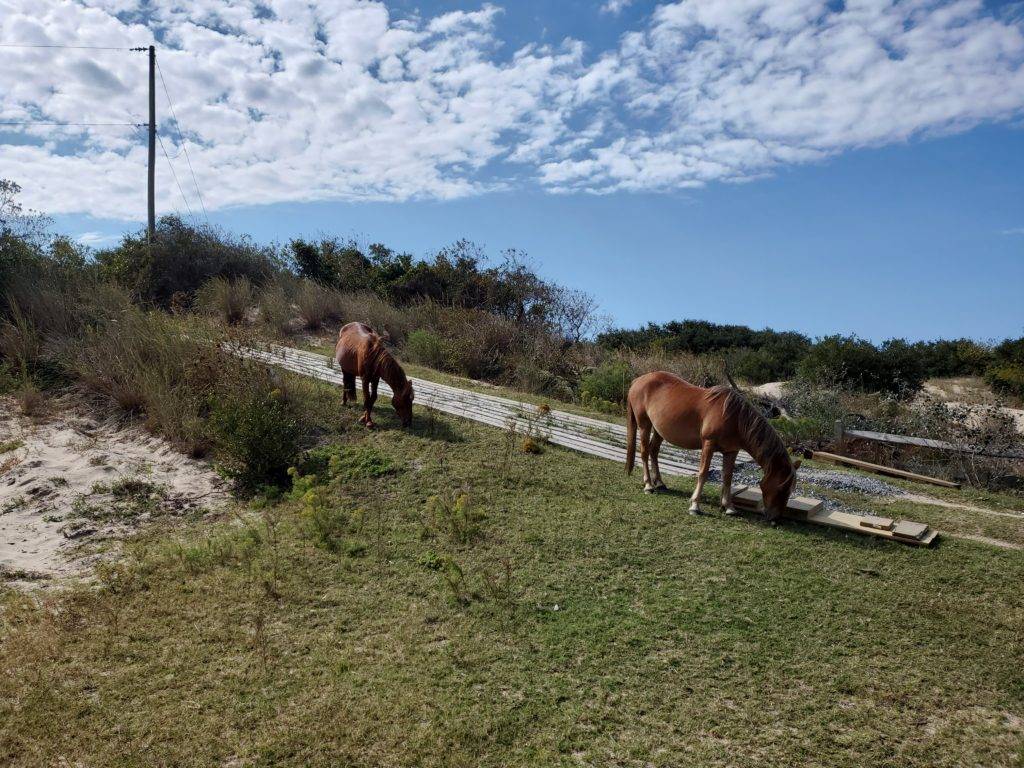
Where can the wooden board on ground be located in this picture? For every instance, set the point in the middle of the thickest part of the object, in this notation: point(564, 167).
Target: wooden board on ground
point(799, 507)
point(813, 511)
point(879, 469)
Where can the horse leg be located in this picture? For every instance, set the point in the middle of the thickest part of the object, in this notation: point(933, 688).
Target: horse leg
point(706, 452)
point(656, 481)
point(645, 455)
point(348, 388)
point(367, 403)
point(728, 463)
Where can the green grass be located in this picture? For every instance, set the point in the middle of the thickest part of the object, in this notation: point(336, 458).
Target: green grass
point(676, 640)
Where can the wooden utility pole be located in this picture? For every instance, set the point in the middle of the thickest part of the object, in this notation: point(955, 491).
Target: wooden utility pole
point(152, 144)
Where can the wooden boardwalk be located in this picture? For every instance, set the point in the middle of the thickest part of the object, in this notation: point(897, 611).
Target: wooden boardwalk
point(579, 433)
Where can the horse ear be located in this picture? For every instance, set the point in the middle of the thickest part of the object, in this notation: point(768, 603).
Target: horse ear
point(796, 464)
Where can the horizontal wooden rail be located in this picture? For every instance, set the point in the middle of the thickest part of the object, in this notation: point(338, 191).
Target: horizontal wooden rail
point(925, 442)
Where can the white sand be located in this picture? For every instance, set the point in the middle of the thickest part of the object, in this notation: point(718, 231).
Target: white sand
point(771, 389)
point(56, 510)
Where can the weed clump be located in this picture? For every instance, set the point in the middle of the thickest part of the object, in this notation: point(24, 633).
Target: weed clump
point(456, 516)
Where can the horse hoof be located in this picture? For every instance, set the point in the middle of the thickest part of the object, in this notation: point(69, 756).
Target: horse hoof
point(648, 489)
point(732, 512)
point(661, 487)
point(695, 511)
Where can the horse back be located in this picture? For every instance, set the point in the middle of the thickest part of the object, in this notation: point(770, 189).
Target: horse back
point(681, 412)
point(355, 340)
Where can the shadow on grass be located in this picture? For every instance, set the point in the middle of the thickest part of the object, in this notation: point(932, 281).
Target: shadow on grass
point(430, 427)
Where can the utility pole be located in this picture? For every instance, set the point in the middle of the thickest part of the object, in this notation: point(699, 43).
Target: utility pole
point(151, 225)
point(152, 144)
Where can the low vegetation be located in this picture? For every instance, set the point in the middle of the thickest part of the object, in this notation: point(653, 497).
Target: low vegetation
point(429, 610)
point(455, 595)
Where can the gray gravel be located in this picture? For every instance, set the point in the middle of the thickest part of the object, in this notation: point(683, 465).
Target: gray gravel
point(810, 479)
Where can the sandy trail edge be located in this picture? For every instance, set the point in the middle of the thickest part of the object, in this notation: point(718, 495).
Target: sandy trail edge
point(62, 462)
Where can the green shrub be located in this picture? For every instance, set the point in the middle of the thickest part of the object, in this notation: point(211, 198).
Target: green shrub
point(256, 429)
point(894, 367)
point(181, 259)
point(609, 382)
point(774, 359)
point(425, 348)
point(803, 429)
point(1006, 373)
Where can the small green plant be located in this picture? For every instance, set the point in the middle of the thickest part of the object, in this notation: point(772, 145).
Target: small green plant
point(323, 522)
point(534, 427)
point(11, 445)
point(456, 516)
point(454, 579)
point(431, 560)
point(500, 584)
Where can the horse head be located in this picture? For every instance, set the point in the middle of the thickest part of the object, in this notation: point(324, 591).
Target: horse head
point(402, 401)
point(776, 488)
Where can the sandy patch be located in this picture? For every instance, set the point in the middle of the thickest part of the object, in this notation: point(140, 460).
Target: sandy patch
point(70, 483)
point(772, 389)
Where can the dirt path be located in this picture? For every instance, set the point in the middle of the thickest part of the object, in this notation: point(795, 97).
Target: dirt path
point(921, 499)
point(70, 484)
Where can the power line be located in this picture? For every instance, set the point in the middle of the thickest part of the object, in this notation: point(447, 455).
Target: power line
point(175, 175)
point(48, 122)
point(75, 47)
point(181, 140)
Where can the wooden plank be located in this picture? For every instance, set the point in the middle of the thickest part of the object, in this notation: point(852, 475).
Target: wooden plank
point(851, 522)
point(748, 498)
point(813, 511)
point(802, 507)
point(497, 412)
point(798, 507)
point(908, 530)
point(286, 356)
point(926, 442)
point(879, 523)
point(881, 470)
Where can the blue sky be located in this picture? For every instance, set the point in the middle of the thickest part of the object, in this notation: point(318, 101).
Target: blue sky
point(866, 176)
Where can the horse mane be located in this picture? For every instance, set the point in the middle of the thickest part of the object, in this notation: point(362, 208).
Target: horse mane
point(386, 365)
point(759, 437)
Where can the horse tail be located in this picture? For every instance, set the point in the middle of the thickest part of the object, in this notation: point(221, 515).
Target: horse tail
point(630, 437)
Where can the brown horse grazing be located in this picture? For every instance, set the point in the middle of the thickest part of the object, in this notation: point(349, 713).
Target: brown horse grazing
point(360, 352)
point(717, 419)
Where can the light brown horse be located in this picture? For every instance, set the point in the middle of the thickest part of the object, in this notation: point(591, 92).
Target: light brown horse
point(360, 352)
point(665, 407)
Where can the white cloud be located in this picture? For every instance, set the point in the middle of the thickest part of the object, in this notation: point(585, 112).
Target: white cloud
point(728, 91)
point(95, 239)
point(1014, 231)
point(615, 7)
point(286, 101)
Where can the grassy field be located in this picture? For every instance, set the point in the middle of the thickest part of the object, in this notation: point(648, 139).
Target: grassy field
point(555, 615)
